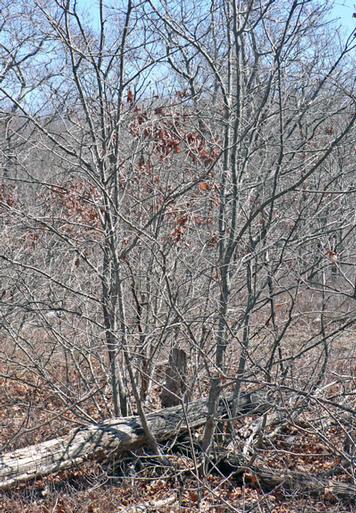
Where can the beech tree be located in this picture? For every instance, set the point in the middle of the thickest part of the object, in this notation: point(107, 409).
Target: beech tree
point(104, 175)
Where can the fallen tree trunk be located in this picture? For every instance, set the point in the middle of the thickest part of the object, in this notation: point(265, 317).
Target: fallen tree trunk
point(293, 481)
point(99, 441)
point(302, 483)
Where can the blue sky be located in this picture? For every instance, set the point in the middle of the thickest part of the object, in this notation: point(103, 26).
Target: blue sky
point(342, 12)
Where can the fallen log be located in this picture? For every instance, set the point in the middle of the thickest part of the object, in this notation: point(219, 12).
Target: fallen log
point(302, 483)
point(114, 436)
point(290, 480)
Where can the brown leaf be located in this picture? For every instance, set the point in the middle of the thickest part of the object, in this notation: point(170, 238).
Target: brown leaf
point(181, 221)
point(203, 186)
point(130, 96)
point(332, 256)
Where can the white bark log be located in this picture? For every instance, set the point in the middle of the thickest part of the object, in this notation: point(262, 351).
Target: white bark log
point(99, 441)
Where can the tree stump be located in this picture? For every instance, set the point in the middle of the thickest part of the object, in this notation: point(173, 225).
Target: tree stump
point(175, 384)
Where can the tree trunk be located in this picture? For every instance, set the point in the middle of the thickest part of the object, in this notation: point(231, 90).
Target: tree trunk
point(99, 441)
point(268, 479)
point(176, 378)
point(302, 483)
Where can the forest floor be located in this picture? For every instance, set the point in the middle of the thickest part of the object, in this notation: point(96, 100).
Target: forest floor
point(312, 444)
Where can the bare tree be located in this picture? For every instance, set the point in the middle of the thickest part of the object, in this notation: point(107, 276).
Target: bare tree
point(183, 187)
point(282, 107)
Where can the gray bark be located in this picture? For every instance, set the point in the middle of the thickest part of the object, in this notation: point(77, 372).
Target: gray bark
point(176, 376)
point(306, 483)
point(99, 441)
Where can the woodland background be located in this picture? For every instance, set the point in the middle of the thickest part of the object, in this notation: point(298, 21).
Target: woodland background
point(178, 177)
